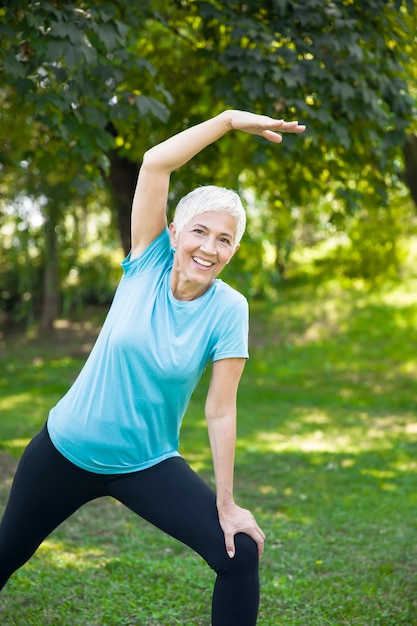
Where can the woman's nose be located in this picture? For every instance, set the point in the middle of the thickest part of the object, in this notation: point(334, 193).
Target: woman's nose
point(209, 246)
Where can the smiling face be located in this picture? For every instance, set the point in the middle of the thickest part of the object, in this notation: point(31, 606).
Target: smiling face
point(202, 248)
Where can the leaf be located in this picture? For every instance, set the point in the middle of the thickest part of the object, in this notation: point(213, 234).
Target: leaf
point(109, 36)
point(143, 105)
point(122, 28)
point(146, 105)
point(55, 49)
point(343, 90)
point(95, 117)
point(90, 54)
point(72, 55)
point(61, 73)
point(143, 64)
point(6, 32)
point(168, 97)
point(13, 67)
point(59, 29)
point(82, 185)
point(103, 140)
point(24, 85)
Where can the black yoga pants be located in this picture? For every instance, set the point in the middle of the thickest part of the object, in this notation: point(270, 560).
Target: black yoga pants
point(48, 488)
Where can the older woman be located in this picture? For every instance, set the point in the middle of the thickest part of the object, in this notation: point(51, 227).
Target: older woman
point(116, 431)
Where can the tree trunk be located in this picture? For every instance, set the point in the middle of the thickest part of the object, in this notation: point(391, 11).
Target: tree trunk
point(122, 180)
point(410, 158)
point(50, 301)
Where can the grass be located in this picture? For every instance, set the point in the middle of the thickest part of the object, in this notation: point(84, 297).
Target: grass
point(326, 459)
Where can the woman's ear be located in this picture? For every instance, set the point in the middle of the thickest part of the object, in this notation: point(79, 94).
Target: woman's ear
point(173, 235)
point(237, 246)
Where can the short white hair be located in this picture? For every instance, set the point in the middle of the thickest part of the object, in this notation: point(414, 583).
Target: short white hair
point(211, 198)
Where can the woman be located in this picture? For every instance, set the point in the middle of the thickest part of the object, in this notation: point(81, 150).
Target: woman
point(116, 430)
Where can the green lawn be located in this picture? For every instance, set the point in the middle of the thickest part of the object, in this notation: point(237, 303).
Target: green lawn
point(326, 459)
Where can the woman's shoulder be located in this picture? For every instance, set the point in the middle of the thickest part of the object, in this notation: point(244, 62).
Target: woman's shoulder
point(226, 291)
point(228, 301)
point(158, 253)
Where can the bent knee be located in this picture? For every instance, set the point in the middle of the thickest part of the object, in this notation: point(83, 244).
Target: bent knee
point(246, 549)
point(245, 558)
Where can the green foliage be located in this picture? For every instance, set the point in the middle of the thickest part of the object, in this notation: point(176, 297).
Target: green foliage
point(374, 249)
point(84, 82)
point(92, 281)
point(338, 67)
point(343, 68)
point(73, 68)
point(20, 270)
point(89, 265)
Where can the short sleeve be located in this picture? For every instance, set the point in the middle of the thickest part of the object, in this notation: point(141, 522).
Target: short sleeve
point(232, 330)
point(158, 253)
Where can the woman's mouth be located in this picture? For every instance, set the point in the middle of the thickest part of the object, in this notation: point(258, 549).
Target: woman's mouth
point(202, 262)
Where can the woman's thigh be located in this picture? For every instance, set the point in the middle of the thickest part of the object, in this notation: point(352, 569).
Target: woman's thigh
point(174, 498)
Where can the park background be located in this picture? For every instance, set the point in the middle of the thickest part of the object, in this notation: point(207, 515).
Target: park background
point(326, 456)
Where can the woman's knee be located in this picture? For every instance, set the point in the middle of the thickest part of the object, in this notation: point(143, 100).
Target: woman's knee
point(246, 550)
point(246, 557)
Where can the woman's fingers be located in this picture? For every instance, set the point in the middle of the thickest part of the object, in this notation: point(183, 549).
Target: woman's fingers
point(272, 136)
point(263, 125)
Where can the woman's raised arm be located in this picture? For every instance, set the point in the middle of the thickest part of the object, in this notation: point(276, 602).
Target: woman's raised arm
point(151, 195)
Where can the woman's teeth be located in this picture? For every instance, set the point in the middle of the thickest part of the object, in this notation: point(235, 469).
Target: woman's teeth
point(202, 261)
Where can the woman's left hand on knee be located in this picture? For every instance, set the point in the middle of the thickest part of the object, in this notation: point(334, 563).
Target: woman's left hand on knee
point(233, 520)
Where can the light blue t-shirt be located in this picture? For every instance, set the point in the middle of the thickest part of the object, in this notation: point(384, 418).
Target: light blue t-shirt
point(124, 411)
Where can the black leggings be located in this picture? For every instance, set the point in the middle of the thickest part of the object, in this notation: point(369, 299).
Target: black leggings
point(48, 488)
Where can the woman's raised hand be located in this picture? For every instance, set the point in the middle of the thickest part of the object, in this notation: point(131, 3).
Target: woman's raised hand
point(263, 125)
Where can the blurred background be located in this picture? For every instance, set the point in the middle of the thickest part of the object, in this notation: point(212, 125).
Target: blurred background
point(86, 87)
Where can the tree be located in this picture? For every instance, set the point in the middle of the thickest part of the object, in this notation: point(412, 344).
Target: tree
point(83, 82)
point(410, 147)
point(341, 67)
point(69, 71)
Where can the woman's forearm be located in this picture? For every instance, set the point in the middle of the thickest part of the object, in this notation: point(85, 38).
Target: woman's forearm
point(171, 154)
point(180, 148)
point(222, 435)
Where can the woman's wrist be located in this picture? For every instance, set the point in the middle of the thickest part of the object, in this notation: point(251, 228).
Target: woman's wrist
point(224, 503)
